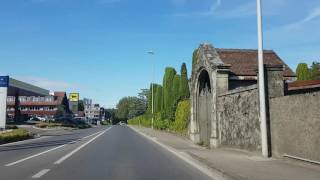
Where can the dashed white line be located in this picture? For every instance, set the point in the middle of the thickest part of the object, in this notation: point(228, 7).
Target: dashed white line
point(79, 148)
point(41, 173)
point(21, 160)
point(44, 152)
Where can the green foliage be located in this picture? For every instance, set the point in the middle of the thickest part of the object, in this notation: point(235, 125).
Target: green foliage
point(176, 88)
point(14, 135)
point(61, 111)
point(143, 120)
point(303, 72)
point(194, 58)
point(315, 71)
point(81, 105)
point(182, 115)
point(129, 107)
point(158, 99)
point(168, 96)
point(184, 85)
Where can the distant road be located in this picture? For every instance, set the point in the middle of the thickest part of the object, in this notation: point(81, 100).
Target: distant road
point(105, 153)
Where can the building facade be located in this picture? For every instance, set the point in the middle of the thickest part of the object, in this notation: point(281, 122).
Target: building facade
point(38, 106)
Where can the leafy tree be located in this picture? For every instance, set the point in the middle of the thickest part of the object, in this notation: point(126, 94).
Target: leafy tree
point(168, 97)
point(130, 107)
point(194, 57)
point(176, 88)
point(184, 85)
point(315, 71)
point(81, 105)
point(303, 72)
point(158, 98)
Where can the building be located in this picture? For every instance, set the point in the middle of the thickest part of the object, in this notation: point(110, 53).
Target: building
point(221, 73)
point(91, 111)
point(39, 106)
point(225, 104)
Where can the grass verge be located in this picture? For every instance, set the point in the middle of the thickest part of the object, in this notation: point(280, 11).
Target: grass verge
point(14, 135)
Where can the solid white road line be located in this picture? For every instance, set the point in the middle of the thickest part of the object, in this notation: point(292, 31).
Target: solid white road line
point(79, 148)
point(44, 152)
point(185, 157)
point(39, 154)
point(91, 135)
point(41, 173)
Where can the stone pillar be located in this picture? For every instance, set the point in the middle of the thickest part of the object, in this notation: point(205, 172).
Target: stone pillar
point(221, 85)
point(274, 81)
point(274, 84)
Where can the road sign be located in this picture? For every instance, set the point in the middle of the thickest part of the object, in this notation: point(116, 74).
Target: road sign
point(4, 81)
point(74, 97)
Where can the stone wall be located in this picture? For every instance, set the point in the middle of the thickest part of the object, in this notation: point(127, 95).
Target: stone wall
point(238, 118)
point(295, 125)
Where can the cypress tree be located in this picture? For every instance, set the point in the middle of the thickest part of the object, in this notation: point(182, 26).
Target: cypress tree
point(158, 99)
point(194, 57)
point(303, 72)
point(184, 85)
point(176, 88)
point(168, 99)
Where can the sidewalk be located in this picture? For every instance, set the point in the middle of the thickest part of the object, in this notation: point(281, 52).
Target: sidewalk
point(236, 164)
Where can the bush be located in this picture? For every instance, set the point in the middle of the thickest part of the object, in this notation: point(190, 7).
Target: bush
point(143, 120)
point(48, 125)
point(180, 125)
point(14, 135)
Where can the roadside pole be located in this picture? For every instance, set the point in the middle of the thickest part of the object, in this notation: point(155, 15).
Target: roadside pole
point(262, 95)
point(152, 89)
point(4, 84)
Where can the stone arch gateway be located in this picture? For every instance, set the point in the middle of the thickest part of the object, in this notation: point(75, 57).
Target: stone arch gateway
point(209, 76)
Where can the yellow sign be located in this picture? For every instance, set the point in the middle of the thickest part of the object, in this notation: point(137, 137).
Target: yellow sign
point(74, 97)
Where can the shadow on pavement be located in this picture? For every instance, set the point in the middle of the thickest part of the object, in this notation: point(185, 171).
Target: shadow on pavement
point(37, 145)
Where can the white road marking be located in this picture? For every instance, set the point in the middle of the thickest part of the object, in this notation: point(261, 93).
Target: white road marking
point(44, 152)
point(79, 148)
point(41, 173)
point(185, 157)
point(91, 135)
point(39, 154)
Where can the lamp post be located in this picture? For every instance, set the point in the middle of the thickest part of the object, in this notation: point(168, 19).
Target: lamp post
point(262, 95)
point(152, 90)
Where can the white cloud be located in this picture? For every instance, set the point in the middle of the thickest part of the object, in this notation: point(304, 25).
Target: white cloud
point(313, 15)
point(52, 85)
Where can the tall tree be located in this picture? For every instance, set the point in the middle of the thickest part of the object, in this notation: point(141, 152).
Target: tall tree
point(315, 71)
point(184, 84)
point(158, 99)
point(194, 57)
point(303, 72)
point(168, 99)
point(130, 107)
point(176, 88)
point(81, 105)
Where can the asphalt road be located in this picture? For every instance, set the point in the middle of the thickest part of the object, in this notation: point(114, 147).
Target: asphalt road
point(106, 153)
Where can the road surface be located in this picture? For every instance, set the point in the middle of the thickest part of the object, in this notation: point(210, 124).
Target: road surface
point(105, 153)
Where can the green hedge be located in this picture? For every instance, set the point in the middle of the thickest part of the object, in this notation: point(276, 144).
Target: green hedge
point(179, 126)
point(14, 135)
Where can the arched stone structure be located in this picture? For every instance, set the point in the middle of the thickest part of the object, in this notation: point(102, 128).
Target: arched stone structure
point(209, 77)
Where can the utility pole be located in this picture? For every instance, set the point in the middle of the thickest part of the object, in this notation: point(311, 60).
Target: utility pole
point(262, 95)
point(152, 89)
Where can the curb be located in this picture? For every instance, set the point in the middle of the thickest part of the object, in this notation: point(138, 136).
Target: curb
point(211, 172)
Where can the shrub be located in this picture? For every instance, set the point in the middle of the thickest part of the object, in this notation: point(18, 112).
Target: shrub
point(180, 125)
point(14, 135)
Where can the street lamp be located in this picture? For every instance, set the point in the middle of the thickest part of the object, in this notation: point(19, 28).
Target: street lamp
point(262, 96)
point(152, 87)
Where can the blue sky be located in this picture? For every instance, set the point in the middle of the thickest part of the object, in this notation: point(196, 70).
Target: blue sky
point(97, 47)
